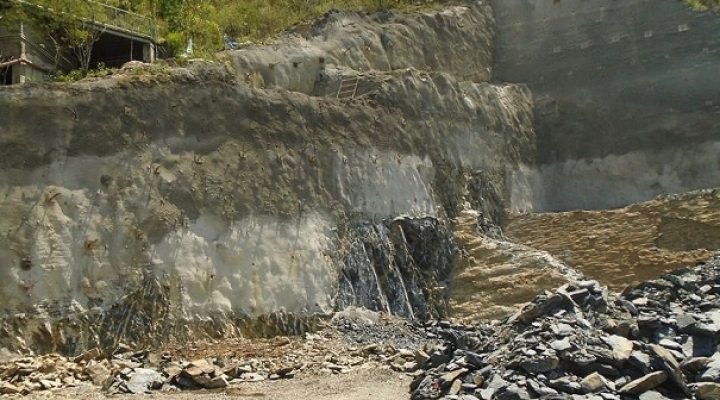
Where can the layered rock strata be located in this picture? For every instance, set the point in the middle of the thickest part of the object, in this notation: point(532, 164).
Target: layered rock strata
point(162, 203)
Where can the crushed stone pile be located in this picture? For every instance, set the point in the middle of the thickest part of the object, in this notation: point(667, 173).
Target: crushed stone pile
point(656, 341)
point(363, 327)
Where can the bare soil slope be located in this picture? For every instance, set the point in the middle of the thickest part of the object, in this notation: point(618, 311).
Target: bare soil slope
point(631, 244)
point(496, 277)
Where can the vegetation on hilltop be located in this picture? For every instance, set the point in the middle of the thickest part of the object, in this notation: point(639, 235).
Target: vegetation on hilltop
point(55, 22)
point(205, 22)
point(704, 5)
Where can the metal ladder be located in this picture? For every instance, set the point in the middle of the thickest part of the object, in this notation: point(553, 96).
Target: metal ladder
point(348, 87)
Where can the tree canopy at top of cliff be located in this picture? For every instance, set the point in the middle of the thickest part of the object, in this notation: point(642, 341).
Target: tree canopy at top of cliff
point(207, 21)
point(704, 5)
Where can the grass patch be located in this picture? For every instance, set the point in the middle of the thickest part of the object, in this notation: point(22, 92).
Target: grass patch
point(258, 20)
point(704, 5)
point(78, 74)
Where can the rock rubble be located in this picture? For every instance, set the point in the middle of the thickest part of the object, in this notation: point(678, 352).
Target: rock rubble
point(658, 340)
point(354, 339)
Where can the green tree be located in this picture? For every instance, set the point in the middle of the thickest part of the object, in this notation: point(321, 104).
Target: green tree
point(704, 5)
point(67, 23)
point(196, 20)
point(171, 12)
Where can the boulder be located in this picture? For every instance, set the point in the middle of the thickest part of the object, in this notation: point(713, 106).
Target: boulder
point(453, 375)
point(667, 362)
point(641, 361)
point(561, 345)
point(652, 395)
point(142, 380)
point(203, 365)
point(621, 348)
point(645, 383)
point(92, 354)
point(708, 391)
point(536, 310)
point(712, 373)
point(692, 366)
point(7, 388)
point(421, 358)
point(455, 387)
point(540, 364)
point(98, 373)
point(207, 382)
point(593, 383)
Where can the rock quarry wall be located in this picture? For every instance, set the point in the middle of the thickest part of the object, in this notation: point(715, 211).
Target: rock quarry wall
point(367, 160)
point(247, 198)
point(620, 86)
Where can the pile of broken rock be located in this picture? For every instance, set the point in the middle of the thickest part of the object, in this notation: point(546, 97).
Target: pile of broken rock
point(656, 341)
point(29, 374)
point(354, 340)
point(138, 372)
point(143, 372)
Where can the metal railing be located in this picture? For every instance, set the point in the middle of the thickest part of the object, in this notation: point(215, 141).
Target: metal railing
point(120, 19)
point(106, 16)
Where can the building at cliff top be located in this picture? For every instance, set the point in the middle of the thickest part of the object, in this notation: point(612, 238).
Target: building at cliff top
point(122, 36)
point(24, 58)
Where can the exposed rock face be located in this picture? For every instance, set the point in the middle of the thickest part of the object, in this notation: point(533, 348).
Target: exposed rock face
point(627, 100)
point(399, 267)
point(618, 247)
point(189, 202)
point(312, 60)
point(255, 196)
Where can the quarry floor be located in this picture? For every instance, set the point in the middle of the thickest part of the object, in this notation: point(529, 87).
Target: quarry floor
point(356, 385)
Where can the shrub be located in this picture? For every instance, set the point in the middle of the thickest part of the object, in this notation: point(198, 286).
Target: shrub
point(704, 5)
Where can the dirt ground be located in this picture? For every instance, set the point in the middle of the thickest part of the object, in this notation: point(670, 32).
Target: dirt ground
point(380, 383)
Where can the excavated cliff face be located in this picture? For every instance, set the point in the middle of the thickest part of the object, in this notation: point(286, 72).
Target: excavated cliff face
point(152, 206)
point(368, 160)
point(313, 59)
point(398, 267)
point(627, 98)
